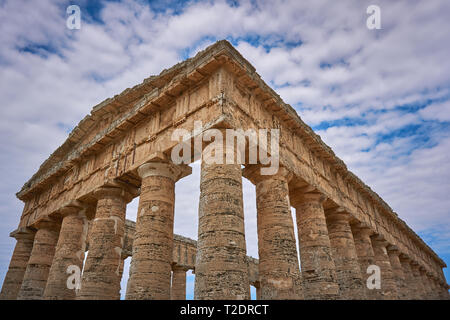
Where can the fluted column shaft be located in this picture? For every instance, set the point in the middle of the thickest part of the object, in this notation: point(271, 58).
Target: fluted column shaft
point(101, 274)
point(425, 284)
point(444, 295)
point(418, 285)
point(18, 264)
point(178, 288)
point(397, 269)
point(348, 270)
point(317, 264)
point(388, 283)
point(221, 266)
point(69, 255)
point(410, 285)
point(38, 267)
point(279, 272)
point(150, 269)
point(434, 286)
point(366, 256)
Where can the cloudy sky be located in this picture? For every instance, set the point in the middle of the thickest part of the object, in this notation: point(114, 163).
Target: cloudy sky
point(379, 98)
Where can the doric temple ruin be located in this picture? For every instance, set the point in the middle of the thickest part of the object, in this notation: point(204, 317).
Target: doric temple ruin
point(76, 203)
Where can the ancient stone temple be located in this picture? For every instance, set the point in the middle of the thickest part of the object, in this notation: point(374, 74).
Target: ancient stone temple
point(76, 203)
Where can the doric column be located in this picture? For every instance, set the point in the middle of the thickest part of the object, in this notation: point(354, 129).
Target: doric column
point(38, 267)
point(69, 254)
point(318, 268)
point(279, 272)
point(18, 264)
point(101, 274)
point(221, 270)
point(388, 283)
point(348, 270)
point(425, 284)
point(366, 256)
point(444, 290)
point(420, 290)
point(178, 288)
point(150, 268)
point(397, 269)
point(432, 284)
point(411, 287)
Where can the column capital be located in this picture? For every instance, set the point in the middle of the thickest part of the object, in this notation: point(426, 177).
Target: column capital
point(393, 250)
point(72, 208)
point(404, 257)
point(23, 233)
point(48, 223)
point(164, 169)
point(379, 240)
point(338, 214)
point(415, 264)
point(253, 173)
point(117, 191)
point(298, 198)
point(362, 229)
point(178, 267)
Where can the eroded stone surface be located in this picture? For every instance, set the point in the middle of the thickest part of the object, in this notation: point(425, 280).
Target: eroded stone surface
point(317, 264)
point(101, 275)
point(150, 269)
point(279, 273)
point(18, 265)
point(221, 266)
point(348, 269)
point(69, 252)
point(38, 267)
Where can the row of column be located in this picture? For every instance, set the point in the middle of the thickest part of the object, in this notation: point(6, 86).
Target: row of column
point(337, 256)
point(334, 253)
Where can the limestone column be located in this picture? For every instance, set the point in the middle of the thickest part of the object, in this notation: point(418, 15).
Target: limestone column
point(432, 286)
point(425, 284)
point(366, 256)
point(444, 291)
point(101, 274)
point(18, 264)
point(151, 263)
point(420, 290)
point(221, 270)
point(69, 255)
point(433, 295)
point(348, 270)
point(318, 268)
point(38, 267)
point(388, 283)
point(411, 287)
point(279, 272)
point(178, 288)
point(397, 269)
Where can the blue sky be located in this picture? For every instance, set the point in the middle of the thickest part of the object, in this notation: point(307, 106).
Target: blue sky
point(379, 98)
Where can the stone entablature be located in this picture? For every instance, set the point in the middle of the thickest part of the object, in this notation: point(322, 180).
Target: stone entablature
point(220, 88)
